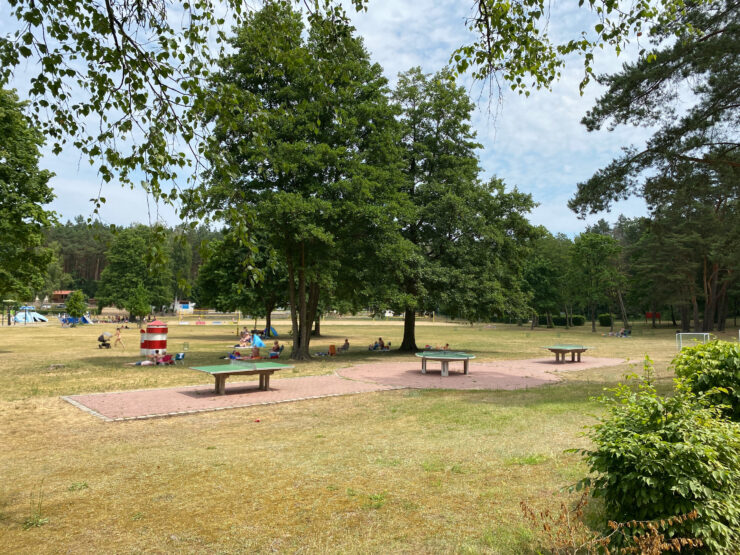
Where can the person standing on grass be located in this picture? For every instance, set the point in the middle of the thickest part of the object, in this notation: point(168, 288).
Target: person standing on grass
point(119, 339)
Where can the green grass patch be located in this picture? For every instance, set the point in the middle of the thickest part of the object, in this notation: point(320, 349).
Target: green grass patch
point(416, 471)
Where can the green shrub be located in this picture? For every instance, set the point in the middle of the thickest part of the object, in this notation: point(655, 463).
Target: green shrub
point(559, 321)
point(713, 369)
point(655, 457)
point(605, 320)
point(579, 320)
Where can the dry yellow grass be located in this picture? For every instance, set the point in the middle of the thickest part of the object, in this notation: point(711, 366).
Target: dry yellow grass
point(397, 471)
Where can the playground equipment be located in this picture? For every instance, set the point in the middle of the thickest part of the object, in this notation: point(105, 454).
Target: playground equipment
point(154, 338)
point(28, 315)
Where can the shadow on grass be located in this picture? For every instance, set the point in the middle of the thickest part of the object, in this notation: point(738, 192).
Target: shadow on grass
point(572, 392)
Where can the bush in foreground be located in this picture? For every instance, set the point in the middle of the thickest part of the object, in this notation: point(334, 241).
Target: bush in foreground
point(655, 457)
point(713, 369)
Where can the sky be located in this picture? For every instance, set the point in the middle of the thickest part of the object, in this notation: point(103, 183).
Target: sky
point(535, 143)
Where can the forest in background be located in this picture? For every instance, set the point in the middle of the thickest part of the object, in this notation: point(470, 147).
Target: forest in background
point(626, 270)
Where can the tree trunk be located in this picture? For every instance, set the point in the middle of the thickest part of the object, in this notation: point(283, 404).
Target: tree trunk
point(685, 320)
point(534, 320)
point(593, 317)
point(304, 326)
point(695, 306)
point(710, 295)
point(549, 320)
point(409, 331)
point(305, 312)
point(571, 316)
point(295, 330)
point(673, 318)
point(313, 314)
point(611, 320)
point(299, 309)
point(623, 310)
point(722, 307)
point(268, 319)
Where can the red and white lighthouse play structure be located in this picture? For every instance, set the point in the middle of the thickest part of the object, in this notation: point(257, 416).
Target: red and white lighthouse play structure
point(154, 338)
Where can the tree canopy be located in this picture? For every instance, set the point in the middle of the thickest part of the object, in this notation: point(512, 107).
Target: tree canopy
point(702, 139)
point(119, 79)
point(24, 191)
point(302, 150)
point(467, 236)
point(127, 270)
point(689, 171)
point(76, 305)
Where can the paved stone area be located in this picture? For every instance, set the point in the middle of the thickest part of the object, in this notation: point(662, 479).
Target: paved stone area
point(151, 403)
point(504, 374)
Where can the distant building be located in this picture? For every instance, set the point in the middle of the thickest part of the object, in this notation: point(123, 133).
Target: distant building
point(60, 296)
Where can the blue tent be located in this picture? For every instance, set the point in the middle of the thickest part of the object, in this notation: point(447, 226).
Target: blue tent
point(29, 315)
point(70, 320)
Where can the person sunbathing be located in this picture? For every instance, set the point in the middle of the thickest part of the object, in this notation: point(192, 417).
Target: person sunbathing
point(151, 360)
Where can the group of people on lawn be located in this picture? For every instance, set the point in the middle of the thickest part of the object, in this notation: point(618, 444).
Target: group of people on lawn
point(379, 345)
point(254, 354)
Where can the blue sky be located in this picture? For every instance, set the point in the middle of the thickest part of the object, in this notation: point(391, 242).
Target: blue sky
point(534, 143)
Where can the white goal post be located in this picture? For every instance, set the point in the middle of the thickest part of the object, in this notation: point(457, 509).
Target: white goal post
point(690, 339)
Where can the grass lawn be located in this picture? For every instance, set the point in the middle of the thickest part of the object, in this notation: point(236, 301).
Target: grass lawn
point(398, 471)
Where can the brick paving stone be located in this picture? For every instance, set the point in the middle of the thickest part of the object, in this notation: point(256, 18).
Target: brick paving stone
point(149, 403)
point(504, 374)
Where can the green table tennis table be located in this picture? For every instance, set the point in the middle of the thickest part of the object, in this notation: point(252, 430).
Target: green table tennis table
point(445, 357)
point(561, 350)
point(223, 371)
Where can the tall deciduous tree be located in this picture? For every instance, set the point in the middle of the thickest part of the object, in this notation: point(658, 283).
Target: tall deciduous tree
point(76, 305)
point(546, 276)
point(302, 150)
point(24, 191)
point(594, 258)
point(465, 234)
point(227, 284)
point(127, 269)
